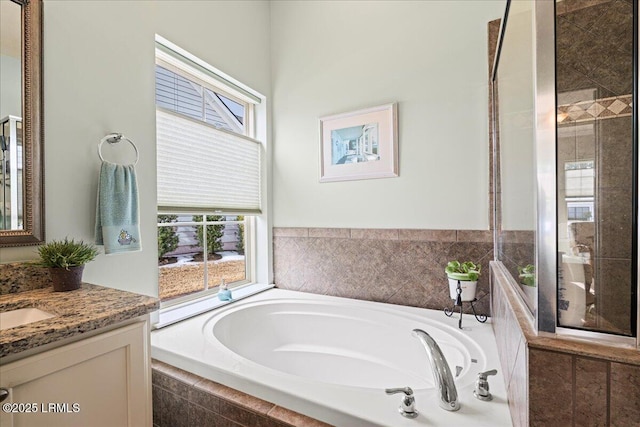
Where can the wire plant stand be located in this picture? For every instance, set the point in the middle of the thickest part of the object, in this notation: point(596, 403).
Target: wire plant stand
point(457, 302)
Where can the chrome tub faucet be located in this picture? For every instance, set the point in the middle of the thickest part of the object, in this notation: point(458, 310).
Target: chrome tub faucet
point(447, 392)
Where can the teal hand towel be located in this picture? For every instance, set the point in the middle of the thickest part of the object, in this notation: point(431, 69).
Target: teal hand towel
point(117, 217)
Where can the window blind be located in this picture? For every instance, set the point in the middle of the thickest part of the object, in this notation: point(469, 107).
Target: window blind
point(201, 168)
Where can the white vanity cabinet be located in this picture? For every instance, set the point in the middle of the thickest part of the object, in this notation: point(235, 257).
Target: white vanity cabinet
point(103, 380)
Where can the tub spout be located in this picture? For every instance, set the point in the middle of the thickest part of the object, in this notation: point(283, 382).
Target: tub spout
point(447, 391)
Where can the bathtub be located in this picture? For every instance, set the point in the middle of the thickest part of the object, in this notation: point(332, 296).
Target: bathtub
point(331, 358)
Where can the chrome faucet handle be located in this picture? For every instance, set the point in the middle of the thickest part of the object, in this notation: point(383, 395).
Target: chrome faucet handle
point(407, 407)
point(485, 374)
point(482, 385)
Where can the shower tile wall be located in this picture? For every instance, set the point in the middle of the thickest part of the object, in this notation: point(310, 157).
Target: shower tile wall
point(397, 266)
point(594, 85)
point(595, 385)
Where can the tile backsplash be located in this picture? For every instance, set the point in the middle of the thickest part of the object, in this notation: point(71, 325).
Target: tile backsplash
point(398, 266)
point(22, 276)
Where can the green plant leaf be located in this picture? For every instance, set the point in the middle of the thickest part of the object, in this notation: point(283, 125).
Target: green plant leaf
point(66, 253)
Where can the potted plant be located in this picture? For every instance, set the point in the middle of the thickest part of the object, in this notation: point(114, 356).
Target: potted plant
point(66, 260)
point(467, 274)
point(527, 276)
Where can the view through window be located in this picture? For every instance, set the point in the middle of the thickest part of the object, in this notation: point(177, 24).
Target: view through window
point(208, 183)
point(192, 260)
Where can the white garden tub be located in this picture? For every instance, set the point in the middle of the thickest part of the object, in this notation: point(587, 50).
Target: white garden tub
point(331, 358)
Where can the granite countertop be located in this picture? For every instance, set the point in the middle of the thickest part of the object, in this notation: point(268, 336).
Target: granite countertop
point(76, 312)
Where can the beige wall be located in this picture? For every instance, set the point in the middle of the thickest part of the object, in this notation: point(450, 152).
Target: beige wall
point(99, 78)
point(430, 57)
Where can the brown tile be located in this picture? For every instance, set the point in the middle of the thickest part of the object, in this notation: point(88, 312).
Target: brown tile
point(344, 233)
point(550, 389)
point(156, 400)
point(427, 235)
point(517, 388)
point(202, 397)
point(291, 418)
point(174, 372)
point(235, 396)
point(518, 236)
point(290, 232)
point(335, 266)
point(201, 417)
point(566, 149)
point(171, 378)
point(614, 223)
point(493, 32)
point(174, 410)
point(240, 414)
point(624, 395)
point(509, 338)
point(411, 294)
point(485, 236)
point(374, 233)
point(615, 142)
point(575, 5)
point(591, 393)
point(613, 299)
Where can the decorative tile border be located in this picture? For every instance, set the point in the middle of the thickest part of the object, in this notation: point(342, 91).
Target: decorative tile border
point(401, 234)
point(599, 109)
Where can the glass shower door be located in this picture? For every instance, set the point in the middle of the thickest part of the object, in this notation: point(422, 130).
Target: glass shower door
point(596, 166)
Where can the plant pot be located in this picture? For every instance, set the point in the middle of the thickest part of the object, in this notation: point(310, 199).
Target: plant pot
point(468, 289)
point(530, 292)
point(66, 279)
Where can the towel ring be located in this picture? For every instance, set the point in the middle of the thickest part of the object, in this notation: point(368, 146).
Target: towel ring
point(114, 138)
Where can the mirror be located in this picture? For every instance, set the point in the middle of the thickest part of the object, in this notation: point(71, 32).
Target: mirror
point(21, 123)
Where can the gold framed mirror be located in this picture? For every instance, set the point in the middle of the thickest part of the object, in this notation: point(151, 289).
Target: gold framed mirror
point(21, 120)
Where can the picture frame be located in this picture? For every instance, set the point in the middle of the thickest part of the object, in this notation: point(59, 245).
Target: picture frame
point(360, 144)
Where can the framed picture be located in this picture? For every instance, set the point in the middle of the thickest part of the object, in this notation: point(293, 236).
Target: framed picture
point(361, 144)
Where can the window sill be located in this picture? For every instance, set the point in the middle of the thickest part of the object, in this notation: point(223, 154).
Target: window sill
point(174, 314)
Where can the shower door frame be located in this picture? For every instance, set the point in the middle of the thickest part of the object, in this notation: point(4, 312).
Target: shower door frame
point(545, 317)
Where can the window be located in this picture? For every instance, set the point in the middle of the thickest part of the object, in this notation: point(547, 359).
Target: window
point(209, 171)
point(579, 213)
point(579, 190)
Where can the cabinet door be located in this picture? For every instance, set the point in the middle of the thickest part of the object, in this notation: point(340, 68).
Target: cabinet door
point(100, 381)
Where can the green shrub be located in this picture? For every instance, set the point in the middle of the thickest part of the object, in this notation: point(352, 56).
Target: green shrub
point(240, 245)
point(167, 236)
point(214, 233)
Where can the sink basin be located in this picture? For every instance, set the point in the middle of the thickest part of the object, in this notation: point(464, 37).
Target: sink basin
point(22, 316)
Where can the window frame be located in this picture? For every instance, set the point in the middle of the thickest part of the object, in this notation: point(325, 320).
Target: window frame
point(249, 285)
point(249, 106)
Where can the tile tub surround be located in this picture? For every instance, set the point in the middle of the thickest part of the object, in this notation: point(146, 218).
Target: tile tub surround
point(397, 266)
point(22, 276)
point(554, 381)
point(76, 312)
point(181, 398)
